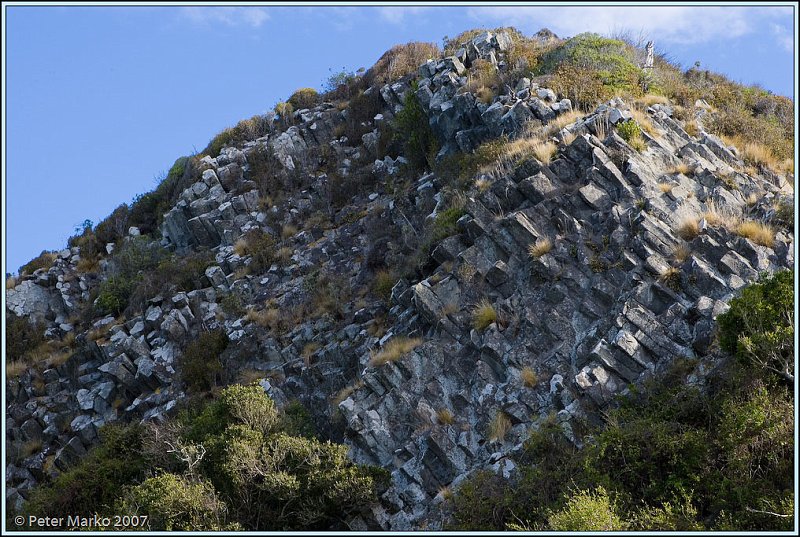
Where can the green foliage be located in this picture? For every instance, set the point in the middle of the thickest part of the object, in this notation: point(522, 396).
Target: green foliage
point(581, 85)
point(96, 481)
point(296, 421)
point(176, 503)
point(759, 327)
point(44, 260)
point(629, 130)
point(304, 98)
point(412, 129)
point(114, 295)
point(200, 364)
point(587, 511)
point(130, 263)
point(445, 222)
point(273, 480)
point(460, 168)
point(248, 473)
point(585, 60)
point(22, 335)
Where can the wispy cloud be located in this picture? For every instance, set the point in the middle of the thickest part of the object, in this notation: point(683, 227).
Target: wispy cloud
point(784, 37)
point(399, 14)
point(667, 24)
point(253, 17)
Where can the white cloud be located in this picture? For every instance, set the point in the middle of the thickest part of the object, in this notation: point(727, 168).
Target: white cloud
point(785, 39)
point(228, 16)
point(398, 14)
point(664, 24)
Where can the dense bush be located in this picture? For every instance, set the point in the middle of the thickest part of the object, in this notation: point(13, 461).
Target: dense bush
point(304, 98)
point(130, 264)
point(200, 364)
point(413, 130)
point(586, 59)
point(759, 327)
point(587, 511)
point(21, 336)
point(360, 114)
point(176, 503)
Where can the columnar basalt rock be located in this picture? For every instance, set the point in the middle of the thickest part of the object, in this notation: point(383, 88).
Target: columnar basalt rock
point(607, 304)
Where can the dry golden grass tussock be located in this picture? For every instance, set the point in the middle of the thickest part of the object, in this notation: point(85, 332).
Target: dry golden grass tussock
point(268, 317)
point(499, 427)
point(651, 99)
point(529, 377)
point(482, 184)
point(689, 228)
point(346, 392)
point(540, 247)
point(644, 121)
point(308, 352)
point(483, 314)
point(682, 168)
point(544, 151)
point(284, 255)
point(394, 350)
point(445, 417)
point(16, 368)
point(681, 253)
point(240, 247)
point(288, 231)
point(666, 188)
point(11, 282)
point(758, 232)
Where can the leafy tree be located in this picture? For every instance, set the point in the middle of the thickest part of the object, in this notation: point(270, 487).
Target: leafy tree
point(759, 327)
point(412, 129)
point(176, 503)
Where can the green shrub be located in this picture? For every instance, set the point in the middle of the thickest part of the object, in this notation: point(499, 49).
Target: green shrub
point(581, 85)
point(759, 327)
point(200, 365)
point(304, 98)
point(629, 130)
point(22, 335)
point(114, 295)
point(412, 129)
point(96, 481)
point(587, 511)
point(176, 503)
point(610, 61)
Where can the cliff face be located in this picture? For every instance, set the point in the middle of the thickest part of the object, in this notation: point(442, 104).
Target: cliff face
point(596, 266)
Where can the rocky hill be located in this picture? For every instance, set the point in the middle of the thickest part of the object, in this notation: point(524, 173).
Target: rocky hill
point(432, 264)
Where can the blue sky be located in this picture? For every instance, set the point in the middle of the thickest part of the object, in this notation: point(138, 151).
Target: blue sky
point(100, 100)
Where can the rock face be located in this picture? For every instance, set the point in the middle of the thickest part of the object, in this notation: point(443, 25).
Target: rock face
point(619, 294)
